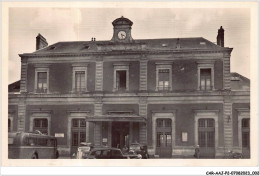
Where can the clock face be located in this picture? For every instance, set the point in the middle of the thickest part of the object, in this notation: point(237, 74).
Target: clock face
point(121, 35)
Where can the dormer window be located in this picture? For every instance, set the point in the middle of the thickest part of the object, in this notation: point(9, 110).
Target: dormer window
point(86, 47)
point(52, 48)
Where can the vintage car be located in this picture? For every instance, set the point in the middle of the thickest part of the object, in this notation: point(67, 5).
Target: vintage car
point(109, 153)
point(139, 149)
point(83, 150)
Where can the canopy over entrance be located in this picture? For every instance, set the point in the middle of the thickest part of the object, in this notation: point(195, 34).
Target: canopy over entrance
point(116, 118)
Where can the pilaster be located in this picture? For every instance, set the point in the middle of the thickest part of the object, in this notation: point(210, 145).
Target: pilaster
point(23, 87)
point(99, 75)
point(21, 115)
point(226, 71)
point(98, 125)
point(143, 74)
point(143, 126)
point(228, 121)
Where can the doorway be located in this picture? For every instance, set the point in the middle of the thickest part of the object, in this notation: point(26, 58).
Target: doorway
point(120, 134)
point(206, 139)
point(246, 137)
point(164, 138)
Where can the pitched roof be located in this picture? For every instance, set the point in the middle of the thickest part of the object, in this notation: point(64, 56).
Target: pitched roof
point(239, 82)
point(148, 44)
point(14, 87)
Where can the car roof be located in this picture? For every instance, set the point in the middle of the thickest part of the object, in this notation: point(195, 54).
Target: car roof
point(105, 148)
point(136, 144)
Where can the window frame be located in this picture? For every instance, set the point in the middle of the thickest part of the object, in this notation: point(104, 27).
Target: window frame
point(121, 67)
point(79, 68)
point(206, 65)
point(163, 66)
point(243, 113)
point(76, 115)
point(41, 115)
point(78, 130)
point(11, 118)
point(41, 123)
point(40, 70)
point(205, 114)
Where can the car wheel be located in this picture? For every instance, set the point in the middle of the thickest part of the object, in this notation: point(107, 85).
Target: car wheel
point(34, 156)
point(146, 156)
point(57, 155)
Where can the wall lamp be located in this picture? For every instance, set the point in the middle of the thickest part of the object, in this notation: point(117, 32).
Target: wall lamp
point(228, 118)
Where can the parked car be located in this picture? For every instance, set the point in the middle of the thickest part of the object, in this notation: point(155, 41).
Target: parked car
point(83, 150)
point(234, 155)
point(132, 155)
point(108, 153)
point(139, 149)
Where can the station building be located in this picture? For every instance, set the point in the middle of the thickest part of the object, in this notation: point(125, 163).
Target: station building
point(169, 94)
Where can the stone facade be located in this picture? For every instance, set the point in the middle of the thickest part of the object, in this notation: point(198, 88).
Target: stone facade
point(168, 94)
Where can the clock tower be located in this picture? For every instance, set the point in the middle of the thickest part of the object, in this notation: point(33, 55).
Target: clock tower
point(122, 30)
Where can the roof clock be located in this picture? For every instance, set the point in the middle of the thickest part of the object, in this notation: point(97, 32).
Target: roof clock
point(122, 30)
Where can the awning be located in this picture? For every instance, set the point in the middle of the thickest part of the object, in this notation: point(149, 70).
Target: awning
point(116, 118)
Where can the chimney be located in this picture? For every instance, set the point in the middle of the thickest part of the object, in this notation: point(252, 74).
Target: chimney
point(220, 37)
point(41, 42)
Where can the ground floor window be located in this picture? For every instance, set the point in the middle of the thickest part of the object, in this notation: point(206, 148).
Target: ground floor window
point(78, 131)
point(9, 125)
point(246, 133)
point(41, 125)
point(206, 132)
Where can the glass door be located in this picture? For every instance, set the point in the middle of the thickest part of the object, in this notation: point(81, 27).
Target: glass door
point(206, 139)
point(164, 138)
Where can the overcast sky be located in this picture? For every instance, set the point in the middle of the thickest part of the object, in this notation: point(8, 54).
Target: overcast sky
point(65, 24)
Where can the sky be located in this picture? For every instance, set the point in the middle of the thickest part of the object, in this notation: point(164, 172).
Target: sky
point(81, 24)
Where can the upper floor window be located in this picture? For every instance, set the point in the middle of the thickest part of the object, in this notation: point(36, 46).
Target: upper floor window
point(163, 82)
point(79, 79)
point(121, 77)
point(121, 80)
point(164, 76)
point(206, 75)
point(205, 79)
point(41, 80)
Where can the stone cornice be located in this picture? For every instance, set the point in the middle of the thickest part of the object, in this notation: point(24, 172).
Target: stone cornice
point(143, 52)
point(98, 96)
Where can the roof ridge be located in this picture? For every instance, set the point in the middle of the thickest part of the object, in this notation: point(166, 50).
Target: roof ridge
point(134, 40)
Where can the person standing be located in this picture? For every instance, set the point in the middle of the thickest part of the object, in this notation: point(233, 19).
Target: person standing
point(197, 152)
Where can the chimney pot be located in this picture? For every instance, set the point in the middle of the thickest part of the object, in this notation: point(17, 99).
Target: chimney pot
point(41, 42)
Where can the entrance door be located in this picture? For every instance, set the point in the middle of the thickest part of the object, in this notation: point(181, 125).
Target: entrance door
point(207, 138)
point(120, 134)
point(164, 138)
point(246, 137)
